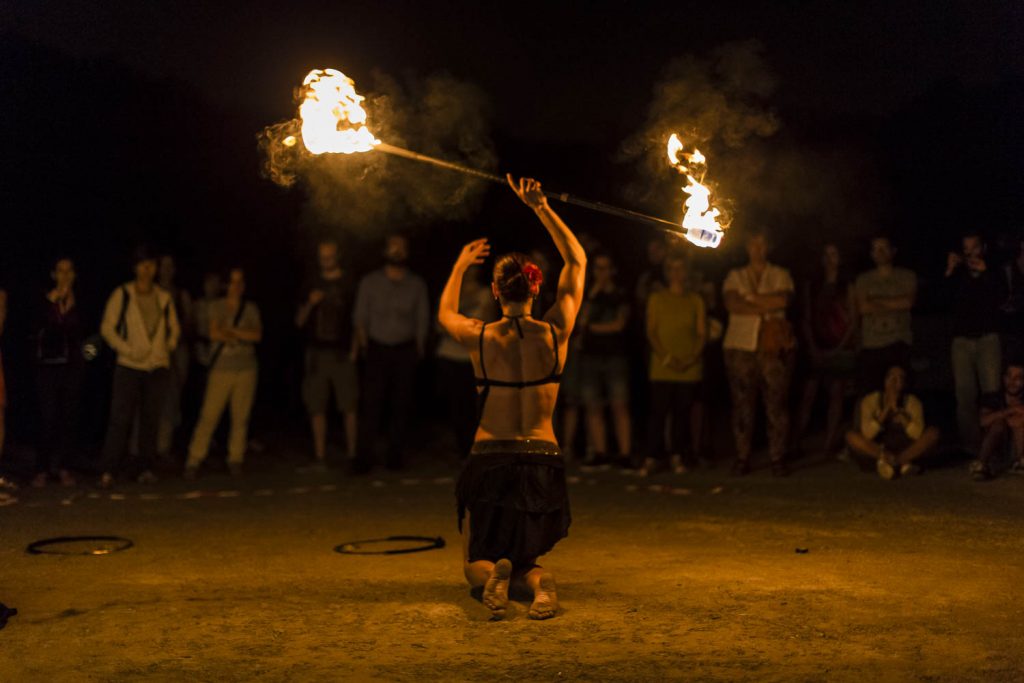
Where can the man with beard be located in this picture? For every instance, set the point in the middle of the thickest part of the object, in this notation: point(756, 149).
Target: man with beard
point(325, 317)
point(1002, 424)
point(976, 292)
point(391, 319)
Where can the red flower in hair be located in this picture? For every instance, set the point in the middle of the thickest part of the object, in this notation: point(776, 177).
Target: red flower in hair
point(534, 277)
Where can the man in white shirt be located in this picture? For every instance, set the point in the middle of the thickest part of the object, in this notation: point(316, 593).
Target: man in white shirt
point(141, 325)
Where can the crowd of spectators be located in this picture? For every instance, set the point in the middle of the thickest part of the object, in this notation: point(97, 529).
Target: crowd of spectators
point(643, 359)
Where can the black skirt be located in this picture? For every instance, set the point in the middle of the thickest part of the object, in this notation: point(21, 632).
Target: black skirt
point(517, 499)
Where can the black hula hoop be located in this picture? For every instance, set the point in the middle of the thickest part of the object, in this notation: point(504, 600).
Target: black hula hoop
point(42, 547)
point(355, 547)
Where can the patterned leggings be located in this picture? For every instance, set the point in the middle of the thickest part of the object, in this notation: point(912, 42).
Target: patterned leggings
point(749, 371)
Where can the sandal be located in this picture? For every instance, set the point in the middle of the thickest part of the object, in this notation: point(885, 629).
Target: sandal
point(979, 471)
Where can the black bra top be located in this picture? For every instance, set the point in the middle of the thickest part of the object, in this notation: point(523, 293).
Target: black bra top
point(486, 382)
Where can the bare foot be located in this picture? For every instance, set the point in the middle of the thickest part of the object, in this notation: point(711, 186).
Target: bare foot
point(545, 600)
point(496, 589)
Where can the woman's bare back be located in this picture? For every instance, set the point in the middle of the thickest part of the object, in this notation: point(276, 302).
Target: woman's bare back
point(514, 412)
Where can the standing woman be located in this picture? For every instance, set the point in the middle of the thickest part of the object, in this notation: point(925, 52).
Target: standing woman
point(58, 333)
point(512, 493)
point(759, 349)
point(829, 327)
point(235, 329)
point(676, 331)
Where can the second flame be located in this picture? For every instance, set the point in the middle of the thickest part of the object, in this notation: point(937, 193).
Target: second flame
point(700, 222)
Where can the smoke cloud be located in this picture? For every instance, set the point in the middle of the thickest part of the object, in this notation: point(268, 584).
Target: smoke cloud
point(721, 104)
point(371, 193)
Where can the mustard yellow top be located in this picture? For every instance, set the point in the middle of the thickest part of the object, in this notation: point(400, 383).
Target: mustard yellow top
point(673, 319)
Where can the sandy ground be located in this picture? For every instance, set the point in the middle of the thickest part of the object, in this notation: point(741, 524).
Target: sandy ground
point(919, 579)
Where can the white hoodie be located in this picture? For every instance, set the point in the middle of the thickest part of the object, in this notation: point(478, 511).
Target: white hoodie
point(138, 351)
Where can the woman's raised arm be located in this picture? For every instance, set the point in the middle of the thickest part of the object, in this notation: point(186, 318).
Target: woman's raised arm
point(462, 329)
point(570, 282)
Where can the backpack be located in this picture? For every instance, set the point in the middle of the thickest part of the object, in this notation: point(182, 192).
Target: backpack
point(95, 346)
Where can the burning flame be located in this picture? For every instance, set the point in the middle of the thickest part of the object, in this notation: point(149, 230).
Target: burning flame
point(700, 223)
point(333, 120)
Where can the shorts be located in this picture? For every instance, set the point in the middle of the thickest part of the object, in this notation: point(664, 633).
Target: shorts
point(327, 369)
point(605, 379)
point(517, 498)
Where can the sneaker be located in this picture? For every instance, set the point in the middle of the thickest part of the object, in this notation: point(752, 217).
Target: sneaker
point(885, 470)
point(741, 468)
point(7, 485)
point(909, 469)
point(147, 477)
point(191, 473)
point(235, 468)
point(677, 465)
point(65, 478)
point(1017, 467)
point(39, 481)
point(106, 481)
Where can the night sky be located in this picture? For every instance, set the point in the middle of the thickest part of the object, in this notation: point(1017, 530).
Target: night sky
point(566, 72)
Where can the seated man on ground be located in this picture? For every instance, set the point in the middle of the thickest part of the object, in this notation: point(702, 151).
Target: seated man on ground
point(892, 431)
point(1002, 425)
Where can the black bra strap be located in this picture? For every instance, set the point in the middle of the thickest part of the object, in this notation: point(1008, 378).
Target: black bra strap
point(483, 370)
point(554, 344)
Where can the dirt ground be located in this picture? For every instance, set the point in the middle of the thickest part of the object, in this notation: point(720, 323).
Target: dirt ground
point(236, 580)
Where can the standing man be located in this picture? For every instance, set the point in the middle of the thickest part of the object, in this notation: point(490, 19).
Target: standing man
point(326, 318)
point(976, 294)
point(391, 320)
point(605, 360)
point(885, 296)
point(170, 415)
point(141, 325)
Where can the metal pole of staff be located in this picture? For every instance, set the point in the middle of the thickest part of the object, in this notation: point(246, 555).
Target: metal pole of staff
point(661, 223)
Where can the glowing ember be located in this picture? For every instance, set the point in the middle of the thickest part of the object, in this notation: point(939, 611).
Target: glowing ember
point(700, 223)
point(333, 120)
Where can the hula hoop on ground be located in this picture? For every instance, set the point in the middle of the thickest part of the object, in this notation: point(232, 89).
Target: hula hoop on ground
point(357, 547)
point(102, 545)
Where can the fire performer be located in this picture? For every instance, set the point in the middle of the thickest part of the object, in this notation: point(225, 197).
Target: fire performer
point(512, 494)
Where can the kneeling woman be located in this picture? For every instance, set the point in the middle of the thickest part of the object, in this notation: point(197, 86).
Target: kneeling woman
point(512, 500)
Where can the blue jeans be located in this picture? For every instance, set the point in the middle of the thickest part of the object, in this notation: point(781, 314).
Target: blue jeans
point(977, 369)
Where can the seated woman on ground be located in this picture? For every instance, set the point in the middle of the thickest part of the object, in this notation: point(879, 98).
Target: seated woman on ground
point(1002, 425)
point(892, 430)
point(512, 492)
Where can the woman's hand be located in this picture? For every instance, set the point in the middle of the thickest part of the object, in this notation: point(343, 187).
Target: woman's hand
point(529, 191)
point(473, 254)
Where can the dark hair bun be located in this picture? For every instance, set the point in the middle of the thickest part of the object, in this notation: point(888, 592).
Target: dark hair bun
point(517, 277)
